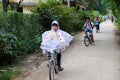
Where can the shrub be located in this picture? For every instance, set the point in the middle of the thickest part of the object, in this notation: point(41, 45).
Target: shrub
point(67, 17)
point(96, 13)
point(20, 34)
point(8, 48)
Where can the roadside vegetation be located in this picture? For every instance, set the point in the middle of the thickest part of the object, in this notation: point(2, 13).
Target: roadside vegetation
point(9, 74)
point(115, 6)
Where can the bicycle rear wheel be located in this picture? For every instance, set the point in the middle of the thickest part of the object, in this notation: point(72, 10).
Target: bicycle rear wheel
point(51, 71)
point(86, 41)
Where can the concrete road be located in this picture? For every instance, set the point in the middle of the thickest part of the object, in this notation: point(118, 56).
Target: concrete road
point(100, 61)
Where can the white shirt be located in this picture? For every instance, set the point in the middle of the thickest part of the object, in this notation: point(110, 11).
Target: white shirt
point(88, 24)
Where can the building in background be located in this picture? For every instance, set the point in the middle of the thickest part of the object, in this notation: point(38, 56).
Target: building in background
point(25, 6)
point(29, 5)
point(75, 3)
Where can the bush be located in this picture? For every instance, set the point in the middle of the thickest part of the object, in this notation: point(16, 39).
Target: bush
point(20, 34)
point(8, 48)
point(68, 18)
point(118, 22)
point(96, 13)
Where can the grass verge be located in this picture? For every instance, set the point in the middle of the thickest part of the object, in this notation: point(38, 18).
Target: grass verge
point(9, 74)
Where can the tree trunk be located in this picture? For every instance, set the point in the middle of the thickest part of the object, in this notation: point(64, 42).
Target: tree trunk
point(5, 5)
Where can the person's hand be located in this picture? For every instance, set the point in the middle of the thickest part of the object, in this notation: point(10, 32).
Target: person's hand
point(51, 51)
point(44, 51)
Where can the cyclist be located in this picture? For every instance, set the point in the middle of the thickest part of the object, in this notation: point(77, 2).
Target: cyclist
point(55, 39)
point(97, 23)
point(89, 26)
point(112, 19)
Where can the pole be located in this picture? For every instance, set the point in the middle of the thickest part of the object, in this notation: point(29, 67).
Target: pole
point(68, 3)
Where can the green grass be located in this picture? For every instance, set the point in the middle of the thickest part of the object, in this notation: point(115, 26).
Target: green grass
point(9, 74)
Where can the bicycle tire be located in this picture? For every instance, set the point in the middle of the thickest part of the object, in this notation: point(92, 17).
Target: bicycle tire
point(86, 41)
point(51, 71)
point(90, 40)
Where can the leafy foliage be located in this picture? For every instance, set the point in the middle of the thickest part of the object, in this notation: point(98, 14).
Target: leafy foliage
point(68, 18)
point(19, 34)
point(97, 5)
point(8, 48)
point(115, 7)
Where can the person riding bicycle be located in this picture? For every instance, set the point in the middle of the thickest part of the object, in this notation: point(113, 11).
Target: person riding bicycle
point(89, 26)
point(55, 40)
point(97, 23)
point(112, 19)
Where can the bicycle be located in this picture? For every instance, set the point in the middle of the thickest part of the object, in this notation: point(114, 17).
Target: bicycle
point(87, 39)
point(53, 68)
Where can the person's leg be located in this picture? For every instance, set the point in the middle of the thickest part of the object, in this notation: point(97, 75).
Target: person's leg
point(59, 62)
point(49, 55)
point(59, 59)
point(86, 30)
point(91, 32)
point(97, 28)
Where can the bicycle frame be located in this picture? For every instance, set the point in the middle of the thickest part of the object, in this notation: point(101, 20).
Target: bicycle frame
point(53, 57)
point(53, 65)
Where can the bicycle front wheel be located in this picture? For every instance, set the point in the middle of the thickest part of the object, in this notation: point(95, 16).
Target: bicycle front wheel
point(51, 71)
point(86, 41)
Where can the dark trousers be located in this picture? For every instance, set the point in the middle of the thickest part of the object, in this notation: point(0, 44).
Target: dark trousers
point(58, 58)
point(97, 26)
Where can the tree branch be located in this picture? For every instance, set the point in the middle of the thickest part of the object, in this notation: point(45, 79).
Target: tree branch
point(20, 1)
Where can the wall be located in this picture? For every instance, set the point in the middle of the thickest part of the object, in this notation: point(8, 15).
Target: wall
point(27, 10)
point(25, 1)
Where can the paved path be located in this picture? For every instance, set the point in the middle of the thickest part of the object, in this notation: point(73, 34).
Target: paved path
point(100, 61)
